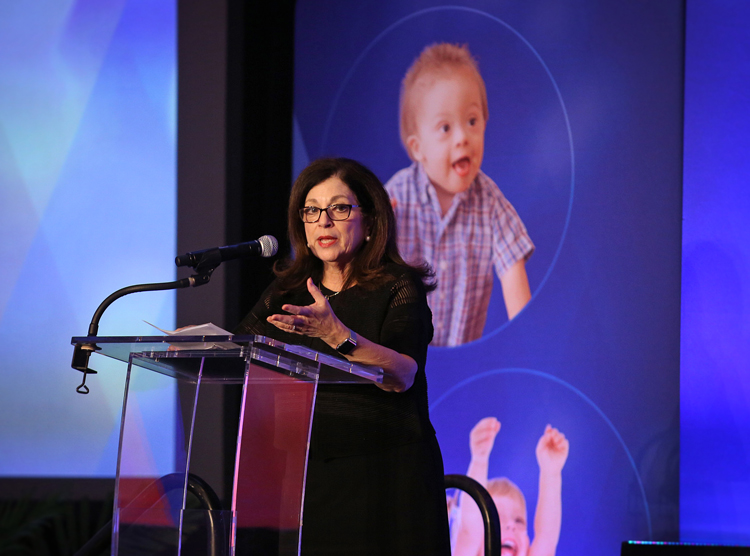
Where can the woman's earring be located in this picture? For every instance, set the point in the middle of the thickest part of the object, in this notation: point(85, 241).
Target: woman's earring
point(367, 238)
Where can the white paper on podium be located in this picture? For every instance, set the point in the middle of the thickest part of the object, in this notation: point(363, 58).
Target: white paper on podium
point(208, 329)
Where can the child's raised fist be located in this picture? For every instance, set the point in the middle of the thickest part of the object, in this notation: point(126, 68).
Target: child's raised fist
point(482, 437)
point(552, 450)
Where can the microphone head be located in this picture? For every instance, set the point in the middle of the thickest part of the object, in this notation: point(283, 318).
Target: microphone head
point(269, 246)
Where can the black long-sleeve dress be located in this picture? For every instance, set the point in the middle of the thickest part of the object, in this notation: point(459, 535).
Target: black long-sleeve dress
point(375, 473)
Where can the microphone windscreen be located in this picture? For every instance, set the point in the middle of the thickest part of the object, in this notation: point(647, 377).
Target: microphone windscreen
point(269, 246)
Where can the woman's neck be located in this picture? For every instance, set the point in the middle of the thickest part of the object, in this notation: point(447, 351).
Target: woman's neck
point(334, 277)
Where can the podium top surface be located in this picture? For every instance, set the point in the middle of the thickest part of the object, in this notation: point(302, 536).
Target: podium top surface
point(225, 358)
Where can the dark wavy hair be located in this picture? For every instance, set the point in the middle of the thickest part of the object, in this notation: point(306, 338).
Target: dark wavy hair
point(368, 267)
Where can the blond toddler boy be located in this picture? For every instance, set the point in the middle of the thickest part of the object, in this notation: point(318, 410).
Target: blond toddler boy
point(551, 454)
point(448, 212)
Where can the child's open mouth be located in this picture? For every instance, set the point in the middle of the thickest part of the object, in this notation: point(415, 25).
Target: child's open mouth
point(462, 166)
point(508, 548)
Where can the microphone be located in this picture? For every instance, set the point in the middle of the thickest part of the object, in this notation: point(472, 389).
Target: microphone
point(265, 246)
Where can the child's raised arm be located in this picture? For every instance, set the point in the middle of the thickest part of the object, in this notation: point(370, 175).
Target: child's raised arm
point(551, 454)
point(481, 441)
point(470, 537)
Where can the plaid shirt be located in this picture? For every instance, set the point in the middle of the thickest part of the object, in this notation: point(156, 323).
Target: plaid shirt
point(481, 229)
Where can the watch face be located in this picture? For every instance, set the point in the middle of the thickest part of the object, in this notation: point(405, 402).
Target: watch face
point(346, 347)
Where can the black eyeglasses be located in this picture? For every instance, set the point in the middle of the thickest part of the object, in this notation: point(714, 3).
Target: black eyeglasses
point(310, 215)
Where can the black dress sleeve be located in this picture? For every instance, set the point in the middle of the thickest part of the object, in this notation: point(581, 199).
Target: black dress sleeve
point(407, 327)
point(255, 321)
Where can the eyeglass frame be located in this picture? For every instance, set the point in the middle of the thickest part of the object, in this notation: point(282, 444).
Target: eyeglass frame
point(328, 214)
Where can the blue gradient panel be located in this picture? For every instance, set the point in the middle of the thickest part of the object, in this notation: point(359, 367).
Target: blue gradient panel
point(585, 139)
point(715, 382)
point(87, 206)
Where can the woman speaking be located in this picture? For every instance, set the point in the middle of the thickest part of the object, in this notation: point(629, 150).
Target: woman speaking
point(375, 473)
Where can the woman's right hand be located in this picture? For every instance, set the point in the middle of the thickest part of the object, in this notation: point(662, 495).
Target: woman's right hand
point(319, 321)
point(316, 320)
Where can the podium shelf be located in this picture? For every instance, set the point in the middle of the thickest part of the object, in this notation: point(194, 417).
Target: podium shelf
point(185, 358)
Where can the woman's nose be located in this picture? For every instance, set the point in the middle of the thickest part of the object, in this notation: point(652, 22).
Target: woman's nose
point(325, 221)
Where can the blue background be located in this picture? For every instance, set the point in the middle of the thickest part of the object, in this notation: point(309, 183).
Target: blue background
point(87, 206)
point(715, 377)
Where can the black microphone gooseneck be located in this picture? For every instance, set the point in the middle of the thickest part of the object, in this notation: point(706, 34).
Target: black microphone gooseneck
point(203, 262)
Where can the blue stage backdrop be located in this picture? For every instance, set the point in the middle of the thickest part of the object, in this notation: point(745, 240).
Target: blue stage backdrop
point(87, 206)
point(715, 396)
point(584, 138)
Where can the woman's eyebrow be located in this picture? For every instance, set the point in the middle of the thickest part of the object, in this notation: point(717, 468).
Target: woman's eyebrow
point(333, 199)
point(336, 197)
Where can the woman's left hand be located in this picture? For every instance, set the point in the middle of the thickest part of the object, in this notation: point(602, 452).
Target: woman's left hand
point(317, 320)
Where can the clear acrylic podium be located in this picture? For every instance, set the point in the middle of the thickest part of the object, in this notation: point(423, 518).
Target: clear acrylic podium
point(278, 383)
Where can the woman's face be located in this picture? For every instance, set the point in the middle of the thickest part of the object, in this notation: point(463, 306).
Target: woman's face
point(334, 242)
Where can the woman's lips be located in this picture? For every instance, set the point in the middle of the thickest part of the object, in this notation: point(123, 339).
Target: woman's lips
point(462, 166)
point(326, 241)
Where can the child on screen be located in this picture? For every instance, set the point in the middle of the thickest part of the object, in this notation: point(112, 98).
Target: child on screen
point(449, 212)
point(551, 454)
